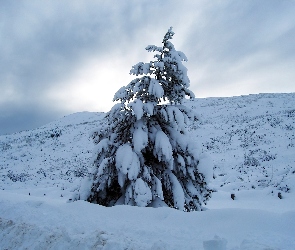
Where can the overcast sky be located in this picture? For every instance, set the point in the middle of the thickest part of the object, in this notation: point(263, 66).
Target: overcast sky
point(61, 57)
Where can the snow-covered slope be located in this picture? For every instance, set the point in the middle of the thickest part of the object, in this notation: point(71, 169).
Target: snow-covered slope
point(250, 139)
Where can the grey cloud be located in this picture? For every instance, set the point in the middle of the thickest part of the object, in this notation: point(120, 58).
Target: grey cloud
point(44, 42)
point(15, 117)
point(235, 29)
point(248, 36)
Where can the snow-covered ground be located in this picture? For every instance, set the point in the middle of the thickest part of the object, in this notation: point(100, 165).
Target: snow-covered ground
point(250, 139)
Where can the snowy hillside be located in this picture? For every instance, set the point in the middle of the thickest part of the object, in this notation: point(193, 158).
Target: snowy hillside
point(250, 139)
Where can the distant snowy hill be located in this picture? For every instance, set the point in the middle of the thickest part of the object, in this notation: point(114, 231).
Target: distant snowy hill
point(250, 140)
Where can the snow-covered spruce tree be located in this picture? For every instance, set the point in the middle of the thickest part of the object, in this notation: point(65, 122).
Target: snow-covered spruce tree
point(143, 154)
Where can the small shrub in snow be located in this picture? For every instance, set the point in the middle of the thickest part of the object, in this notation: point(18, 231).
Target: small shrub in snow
point(143, 153)
point(22, 177)
point(251, 161)
point(280, 195)
point(80, 171)
point(42, 172)
point(256, 156)
point(290, 113)
point(5, 146)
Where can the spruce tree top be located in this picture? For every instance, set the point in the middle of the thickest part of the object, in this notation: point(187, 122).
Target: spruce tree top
point(170, 82)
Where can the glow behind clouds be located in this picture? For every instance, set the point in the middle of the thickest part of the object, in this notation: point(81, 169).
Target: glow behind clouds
point(61, 57)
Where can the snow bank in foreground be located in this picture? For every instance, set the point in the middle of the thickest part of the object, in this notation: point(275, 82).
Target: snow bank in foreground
point(40, 223)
